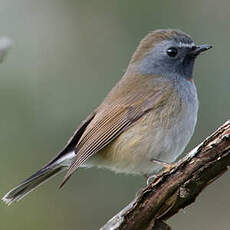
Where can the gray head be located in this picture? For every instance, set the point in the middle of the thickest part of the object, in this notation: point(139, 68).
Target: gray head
point(169, 53)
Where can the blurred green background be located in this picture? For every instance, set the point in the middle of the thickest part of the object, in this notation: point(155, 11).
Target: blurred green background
point(66, 56)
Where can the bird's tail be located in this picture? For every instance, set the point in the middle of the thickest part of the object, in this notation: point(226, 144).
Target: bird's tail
point(31, 183)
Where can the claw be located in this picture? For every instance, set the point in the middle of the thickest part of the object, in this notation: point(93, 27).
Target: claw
point(150, 179)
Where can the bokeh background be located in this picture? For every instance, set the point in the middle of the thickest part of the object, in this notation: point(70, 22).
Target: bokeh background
point(65, 58)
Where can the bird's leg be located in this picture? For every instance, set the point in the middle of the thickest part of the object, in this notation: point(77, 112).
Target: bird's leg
point(150, 178)
point(167, 166)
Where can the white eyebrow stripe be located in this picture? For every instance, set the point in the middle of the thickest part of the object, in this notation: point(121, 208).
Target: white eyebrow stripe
point(181, 44)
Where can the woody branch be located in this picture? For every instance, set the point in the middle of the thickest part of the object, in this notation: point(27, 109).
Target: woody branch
point(178, 188)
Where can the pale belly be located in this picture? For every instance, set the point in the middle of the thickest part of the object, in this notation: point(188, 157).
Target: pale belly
point(132, 151)
point(161, 134)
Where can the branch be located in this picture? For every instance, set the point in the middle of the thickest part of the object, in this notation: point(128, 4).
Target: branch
point(177, 188)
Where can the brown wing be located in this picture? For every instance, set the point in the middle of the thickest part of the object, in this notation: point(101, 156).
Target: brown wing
point(109, 122)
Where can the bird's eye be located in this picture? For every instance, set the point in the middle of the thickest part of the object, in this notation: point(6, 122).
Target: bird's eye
point(172, 52)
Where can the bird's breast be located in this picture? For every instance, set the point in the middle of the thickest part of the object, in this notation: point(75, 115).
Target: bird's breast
point(161, 134)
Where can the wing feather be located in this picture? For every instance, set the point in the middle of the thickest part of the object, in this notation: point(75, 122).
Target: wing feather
point(108, 124)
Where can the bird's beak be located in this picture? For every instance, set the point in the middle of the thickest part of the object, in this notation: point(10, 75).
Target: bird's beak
point(199, 49)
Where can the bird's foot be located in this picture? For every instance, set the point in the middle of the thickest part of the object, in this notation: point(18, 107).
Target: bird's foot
point(167, 167)
point(150, 178)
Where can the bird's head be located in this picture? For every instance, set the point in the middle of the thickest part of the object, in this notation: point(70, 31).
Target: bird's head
point(169, 53)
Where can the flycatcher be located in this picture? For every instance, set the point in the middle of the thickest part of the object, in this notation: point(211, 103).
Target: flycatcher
point(145, 121)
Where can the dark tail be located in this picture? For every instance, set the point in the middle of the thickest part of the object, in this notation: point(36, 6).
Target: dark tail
point(31, 183)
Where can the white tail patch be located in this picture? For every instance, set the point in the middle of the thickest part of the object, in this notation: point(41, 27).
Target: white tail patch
point(66, 160)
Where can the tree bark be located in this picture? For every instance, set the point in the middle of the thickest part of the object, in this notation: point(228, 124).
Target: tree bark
point(177, 188)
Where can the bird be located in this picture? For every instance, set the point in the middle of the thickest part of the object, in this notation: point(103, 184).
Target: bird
point(145, 121)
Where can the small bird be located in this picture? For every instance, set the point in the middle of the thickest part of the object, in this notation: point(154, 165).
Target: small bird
point(144, 123)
